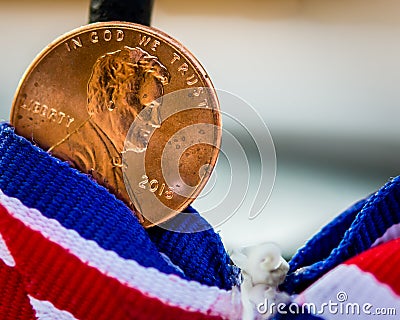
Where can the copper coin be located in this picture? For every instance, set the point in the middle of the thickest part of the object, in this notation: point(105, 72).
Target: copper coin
point(88, 89)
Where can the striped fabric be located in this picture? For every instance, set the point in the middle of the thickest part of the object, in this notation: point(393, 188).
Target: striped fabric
point(366, 286)
point(366, 224)
point(351, 264)
point(61, 274)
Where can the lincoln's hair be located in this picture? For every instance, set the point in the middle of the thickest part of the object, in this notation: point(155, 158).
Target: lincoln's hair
point(119, 74)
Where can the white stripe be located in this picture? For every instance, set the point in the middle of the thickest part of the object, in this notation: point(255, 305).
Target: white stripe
point(45, 310)
point(168, 288)
point(392, 233)
point(346, 285)
point(5, 254)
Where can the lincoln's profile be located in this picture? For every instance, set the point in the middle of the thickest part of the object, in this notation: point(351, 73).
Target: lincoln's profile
point(122, 84)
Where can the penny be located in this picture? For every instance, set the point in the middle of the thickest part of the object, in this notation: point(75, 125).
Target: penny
point(87, 90)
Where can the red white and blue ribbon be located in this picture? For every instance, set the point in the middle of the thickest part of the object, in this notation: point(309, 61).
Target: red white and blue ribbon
point(58, 273)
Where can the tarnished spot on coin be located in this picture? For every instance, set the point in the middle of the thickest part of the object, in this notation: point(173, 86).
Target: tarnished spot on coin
point(85, 91)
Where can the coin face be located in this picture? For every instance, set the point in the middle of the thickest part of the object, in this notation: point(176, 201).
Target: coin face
point(128, 105)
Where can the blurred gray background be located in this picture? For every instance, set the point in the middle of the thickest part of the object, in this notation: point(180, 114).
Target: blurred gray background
point(323, 74)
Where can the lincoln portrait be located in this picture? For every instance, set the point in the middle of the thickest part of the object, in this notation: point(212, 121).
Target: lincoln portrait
point(123, 85)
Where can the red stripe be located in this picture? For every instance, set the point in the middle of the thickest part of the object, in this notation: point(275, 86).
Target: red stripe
point(14, 302)
point(383, 262)
point(51, 273)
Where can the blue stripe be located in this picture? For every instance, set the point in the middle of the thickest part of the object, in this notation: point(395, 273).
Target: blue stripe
point(201, 255)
